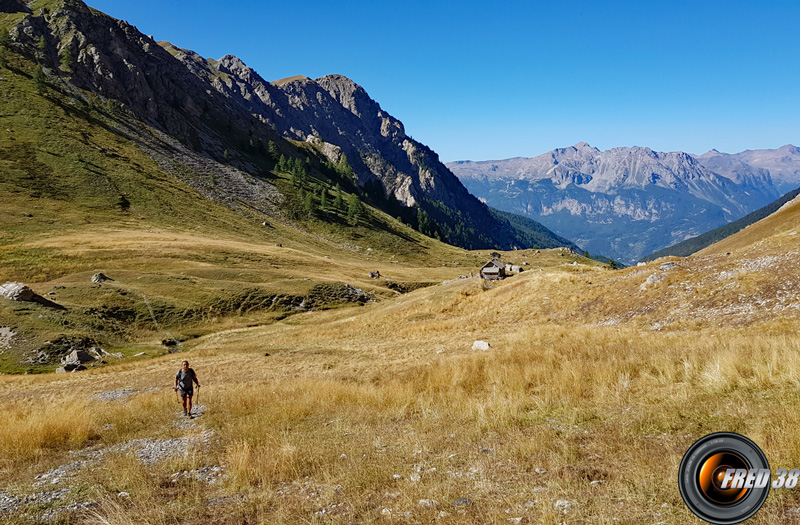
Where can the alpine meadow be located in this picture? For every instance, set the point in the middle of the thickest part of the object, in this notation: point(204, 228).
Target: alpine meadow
point(323, 273)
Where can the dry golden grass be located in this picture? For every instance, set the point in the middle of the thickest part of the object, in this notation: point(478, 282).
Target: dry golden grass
point(594, 388)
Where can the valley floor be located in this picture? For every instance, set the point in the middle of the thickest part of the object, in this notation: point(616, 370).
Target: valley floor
point(579, 413)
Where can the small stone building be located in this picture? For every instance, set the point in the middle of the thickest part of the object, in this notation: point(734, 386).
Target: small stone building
point(493, 270)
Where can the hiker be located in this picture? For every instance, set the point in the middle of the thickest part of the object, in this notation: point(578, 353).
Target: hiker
point(183, 383)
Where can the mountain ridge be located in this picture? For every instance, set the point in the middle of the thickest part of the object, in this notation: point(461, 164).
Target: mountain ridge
point(224, 110)
point(609, 201)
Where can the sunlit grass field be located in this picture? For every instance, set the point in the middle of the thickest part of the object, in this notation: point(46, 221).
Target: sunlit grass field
point(579, 413)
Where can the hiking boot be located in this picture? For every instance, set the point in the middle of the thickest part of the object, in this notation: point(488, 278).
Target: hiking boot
point(184, 413)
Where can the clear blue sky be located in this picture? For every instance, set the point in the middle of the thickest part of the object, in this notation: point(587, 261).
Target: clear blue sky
point(491, 80)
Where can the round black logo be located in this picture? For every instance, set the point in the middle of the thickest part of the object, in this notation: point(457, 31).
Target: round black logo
point(706, 473)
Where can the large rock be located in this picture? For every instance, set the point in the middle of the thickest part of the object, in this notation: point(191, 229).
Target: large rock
point(100, 278)
point(77, 357)
point(16, 291)
point(481, 346)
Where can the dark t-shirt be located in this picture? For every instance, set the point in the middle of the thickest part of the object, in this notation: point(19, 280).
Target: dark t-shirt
point(185, 379)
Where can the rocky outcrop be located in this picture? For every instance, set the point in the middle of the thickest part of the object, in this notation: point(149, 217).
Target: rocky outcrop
point(16, 291)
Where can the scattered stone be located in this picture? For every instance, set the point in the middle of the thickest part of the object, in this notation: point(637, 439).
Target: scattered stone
point(397, 476)
point(114, 395)
point(415, 477)
point(654, 278)
point(486, 450)
point(667, 266)
point(562, 505)
point(7, 335)
point(515, 520)
point(100, 278)
point(98, 352)
point(481, 346)
point(16, 291)
point(440, 351)
point(8, 503)
point(462, 502)
point(540, 470)
point(530, 504)
point(428, 503)
point(123, 495)
point(386, 511)
point(538, 490)
point(207, 475)
point(597, 482)
point(150, 451)
point(139, 354)
point(375, 275)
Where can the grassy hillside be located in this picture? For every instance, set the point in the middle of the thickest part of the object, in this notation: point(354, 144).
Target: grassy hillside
point(773, 234)
point(80, 195)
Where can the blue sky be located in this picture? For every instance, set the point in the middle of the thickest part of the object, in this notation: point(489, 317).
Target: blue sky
point(491, 80)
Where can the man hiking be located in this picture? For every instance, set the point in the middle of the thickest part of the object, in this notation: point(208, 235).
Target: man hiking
point(184, 380)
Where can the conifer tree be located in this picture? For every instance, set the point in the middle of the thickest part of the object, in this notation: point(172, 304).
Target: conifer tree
point(338, 201)
point(308, 204)
point(66, 59)
point(355, 209)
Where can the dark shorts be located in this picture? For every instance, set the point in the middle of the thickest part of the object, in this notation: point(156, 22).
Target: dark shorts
point(186, 393)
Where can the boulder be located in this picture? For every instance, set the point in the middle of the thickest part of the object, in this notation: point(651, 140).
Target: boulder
point(100, 278)
point(16, 291)
point(77, 357)
point(481, 345)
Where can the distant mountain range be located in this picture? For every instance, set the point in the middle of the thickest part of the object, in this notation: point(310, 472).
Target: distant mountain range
point(626, 203)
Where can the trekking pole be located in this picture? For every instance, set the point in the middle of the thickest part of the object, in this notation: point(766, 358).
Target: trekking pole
point(197, 397)
point(177, 398)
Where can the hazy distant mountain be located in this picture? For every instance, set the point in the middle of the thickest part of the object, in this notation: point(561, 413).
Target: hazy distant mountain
point(695, 244)
point(623, 202)
point(783, 164)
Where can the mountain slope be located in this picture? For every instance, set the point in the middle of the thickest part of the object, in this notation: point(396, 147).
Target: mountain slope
point(224, 112)
point(624, 202)
point(695, 244)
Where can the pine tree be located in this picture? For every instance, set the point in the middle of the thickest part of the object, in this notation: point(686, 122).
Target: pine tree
point(355, 209)
point(423, 222)
point(66, 59)
point(39, 79)
point(226, 155)
point(5, 39)
point(338, 201)
point(282, 164)
point(586, 253)
point(323, 198)
point(273, 150)
point(308, 204)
